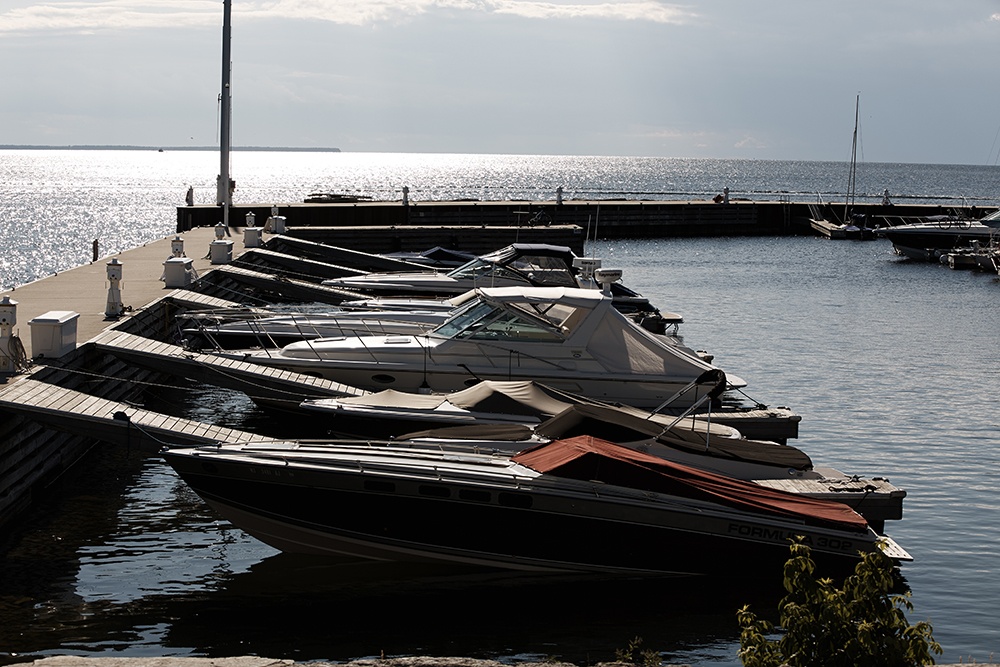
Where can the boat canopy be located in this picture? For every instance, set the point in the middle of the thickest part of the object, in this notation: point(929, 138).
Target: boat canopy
point(535, 264)
point(574, 316)
point(624, 424)
point(587, 458)
point(520, 397)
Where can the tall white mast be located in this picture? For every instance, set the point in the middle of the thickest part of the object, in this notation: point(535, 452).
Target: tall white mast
point(224, 196)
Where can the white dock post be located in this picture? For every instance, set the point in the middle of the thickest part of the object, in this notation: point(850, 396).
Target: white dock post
point(114, 307)
point(220, 251)
point(252, 235)
point(8, 318)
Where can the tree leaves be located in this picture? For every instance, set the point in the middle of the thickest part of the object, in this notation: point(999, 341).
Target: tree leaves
point(860, 624)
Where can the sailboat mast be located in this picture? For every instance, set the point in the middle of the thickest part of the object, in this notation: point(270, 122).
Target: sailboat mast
point(224, 194)
point(852, 174)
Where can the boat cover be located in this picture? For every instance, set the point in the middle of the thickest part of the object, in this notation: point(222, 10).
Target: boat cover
point(588, 458)
point(511, 398)
point(617, 343)
point(623, 424)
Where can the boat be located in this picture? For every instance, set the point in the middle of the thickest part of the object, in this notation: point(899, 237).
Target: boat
point(694, 441)
point(568, 338)
point(391, 413)
point(928, 238)
point(577, 504)
point(855, 226)
point(229, 328)
point(516, 265)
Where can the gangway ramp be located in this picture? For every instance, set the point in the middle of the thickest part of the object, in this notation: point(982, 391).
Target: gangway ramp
point(111, 421)
point(263, 384)
point(284, 287)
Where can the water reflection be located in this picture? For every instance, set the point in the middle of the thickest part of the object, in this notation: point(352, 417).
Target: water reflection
point(125, 558)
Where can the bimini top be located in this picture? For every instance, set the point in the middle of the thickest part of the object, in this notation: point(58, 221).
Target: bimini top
point(587, 458)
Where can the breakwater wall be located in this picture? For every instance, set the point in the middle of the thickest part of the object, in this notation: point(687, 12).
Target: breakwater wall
point(417, 225)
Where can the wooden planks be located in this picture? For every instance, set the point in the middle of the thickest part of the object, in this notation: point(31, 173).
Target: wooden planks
point(74, 411)
point(255, 380)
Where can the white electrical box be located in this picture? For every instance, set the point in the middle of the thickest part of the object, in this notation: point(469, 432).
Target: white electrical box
point(53, 334)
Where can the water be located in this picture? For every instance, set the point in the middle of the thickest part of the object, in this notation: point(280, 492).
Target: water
point(893, 365)
point(54, 204)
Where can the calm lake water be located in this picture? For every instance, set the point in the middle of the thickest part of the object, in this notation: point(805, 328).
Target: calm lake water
point(892, 364)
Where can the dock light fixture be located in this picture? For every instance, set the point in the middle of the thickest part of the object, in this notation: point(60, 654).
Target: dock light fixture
point(250, 219)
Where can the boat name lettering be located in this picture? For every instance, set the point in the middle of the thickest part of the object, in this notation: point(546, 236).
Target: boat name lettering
point(270, 472)
point(778, 535)
point(773, 534)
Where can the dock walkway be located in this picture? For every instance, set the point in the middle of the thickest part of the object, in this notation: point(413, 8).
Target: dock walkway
point(85, 289)
point(112, 421)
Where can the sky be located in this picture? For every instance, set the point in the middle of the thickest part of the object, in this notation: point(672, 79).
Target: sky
point(771, 79)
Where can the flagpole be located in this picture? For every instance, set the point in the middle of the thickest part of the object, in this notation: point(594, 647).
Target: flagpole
point(224, 192)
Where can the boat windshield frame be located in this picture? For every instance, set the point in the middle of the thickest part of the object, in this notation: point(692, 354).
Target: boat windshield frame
point(486, 320)
point(531, 269)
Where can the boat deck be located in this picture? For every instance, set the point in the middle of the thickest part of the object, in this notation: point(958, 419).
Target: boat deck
point(876, 498)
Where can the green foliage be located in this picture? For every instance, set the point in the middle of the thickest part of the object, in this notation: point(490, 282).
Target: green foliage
point(858, 625)
point(631, 653)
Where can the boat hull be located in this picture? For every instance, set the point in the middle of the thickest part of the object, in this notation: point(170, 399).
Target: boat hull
point(925, 241)
point(521, 526)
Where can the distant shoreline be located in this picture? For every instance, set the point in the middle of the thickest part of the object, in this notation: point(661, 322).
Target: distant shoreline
point(285, 149)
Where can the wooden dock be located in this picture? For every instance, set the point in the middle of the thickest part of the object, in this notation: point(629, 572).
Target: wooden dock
point(262, 383)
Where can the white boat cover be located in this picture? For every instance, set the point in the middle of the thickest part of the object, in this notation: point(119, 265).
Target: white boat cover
point(515, 397)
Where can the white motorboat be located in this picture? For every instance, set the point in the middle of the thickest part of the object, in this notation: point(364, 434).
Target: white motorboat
point(516, 265)
point(572, 339)
point(507, 416)
point(491, 402)
point(572, 505)
point(929, 238)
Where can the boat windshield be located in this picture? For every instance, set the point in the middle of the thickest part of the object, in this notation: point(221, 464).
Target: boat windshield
point(533, 269)
point(486, 321)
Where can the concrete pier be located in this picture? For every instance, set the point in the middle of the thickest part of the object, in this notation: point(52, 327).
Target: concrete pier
point(504, 222)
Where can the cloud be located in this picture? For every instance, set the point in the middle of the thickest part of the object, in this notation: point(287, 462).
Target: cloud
point(749, 142)
point(656, 12)
point(84, 17)
point(79, 16)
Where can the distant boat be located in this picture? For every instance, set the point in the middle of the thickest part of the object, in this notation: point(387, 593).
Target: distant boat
point(854, 226)
point(930, 237)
